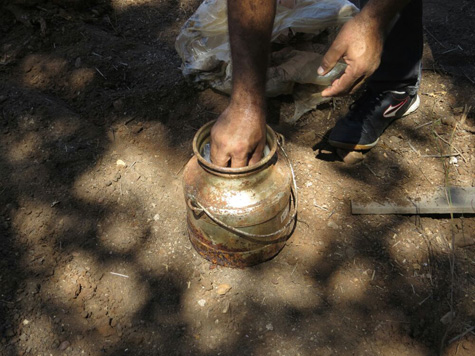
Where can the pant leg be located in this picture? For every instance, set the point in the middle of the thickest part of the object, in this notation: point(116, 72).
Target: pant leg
point(402, 52)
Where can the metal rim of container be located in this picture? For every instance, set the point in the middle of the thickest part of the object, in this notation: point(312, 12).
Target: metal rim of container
point(205, 131)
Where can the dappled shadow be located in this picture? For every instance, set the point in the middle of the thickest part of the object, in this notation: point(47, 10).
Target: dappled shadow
point(94, 250)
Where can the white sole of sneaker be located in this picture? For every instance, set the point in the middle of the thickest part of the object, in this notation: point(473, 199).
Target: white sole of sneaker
point(413, 107)
point(353, 147)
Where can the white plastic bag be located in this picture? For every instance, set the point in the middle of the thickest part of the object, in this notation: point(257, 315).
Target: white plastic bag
point(203, 45)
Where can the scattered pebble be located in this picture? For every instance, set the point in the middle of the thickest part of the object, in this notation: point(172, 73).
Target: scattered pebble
point(64, 345)
point(121, 163)
point(333, 225)
point(201, 302)
point(447, 318)
point(351, 157)
point(226, 307)
point(396, 140)
point(223, 289)
point(270, 327)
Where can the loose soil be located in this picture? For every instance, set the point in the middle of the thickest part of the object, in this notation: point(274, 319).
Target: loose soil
point(96, 126)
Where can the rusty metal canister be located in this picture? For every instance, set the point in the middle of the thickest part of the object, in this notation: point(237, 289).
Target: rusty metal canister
point(239, 217)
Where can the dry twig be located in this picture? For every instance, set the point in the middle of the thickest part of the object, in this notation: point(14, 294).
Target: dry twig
point(461, 335)
point(441, 156)
point(450, 145)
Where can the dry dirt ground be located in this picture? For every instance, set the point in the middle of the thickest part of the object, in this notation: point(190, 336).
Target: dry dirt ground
point(96, 123)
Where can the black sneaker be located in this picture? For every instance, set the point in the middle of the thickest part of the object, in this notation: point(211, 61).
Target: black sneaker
point(369, 116)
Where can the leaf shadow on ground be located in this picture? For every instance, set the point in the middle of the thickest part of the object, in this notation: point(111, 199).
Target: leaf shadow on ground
point(41, 168)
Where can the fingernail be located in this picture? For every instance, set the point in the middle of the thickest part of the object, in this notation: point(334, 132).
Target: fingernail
point(320, 70)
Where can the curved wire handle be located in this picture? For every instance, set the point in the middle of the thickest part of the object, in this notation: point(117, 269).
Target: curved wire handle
point(293, 191)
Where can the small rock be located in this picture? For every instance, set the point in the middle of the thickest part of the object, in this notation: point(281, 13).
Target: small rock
point(447, 318)
point(121, 163)
point(156, 217)
point(394, 139)
point(226, 307)
point(201, 302)
point(333, 225)
point(351, 157)
point(453, 160)
point(26, 322)
point(118, 104)
point(223, 289)
point(269, 327)
point(64, 345)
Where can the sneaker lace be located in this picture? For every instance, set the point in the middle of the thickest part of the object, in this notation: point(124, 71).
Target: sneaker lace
point(365, 105)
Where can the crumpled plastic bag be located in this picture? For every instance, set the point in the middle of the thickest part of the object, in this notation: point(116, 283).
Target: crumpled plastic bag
point(203, 45)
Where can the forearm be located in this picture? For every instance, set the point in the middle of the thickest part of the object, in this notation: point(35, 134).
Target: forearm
point(380, 14)
point(250, 30)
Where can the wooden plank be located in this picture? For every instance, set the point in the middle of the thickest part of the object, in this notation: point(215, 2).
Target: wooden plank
point(462, 202)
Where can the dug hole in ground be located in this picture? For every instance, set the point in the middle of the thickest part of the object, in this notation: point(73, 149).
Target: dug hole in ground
point(96, 123)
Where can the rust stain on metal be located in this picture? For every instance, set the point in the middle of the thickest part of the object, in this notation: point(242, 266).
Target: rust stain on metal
point(229, 258)
point(247, 209)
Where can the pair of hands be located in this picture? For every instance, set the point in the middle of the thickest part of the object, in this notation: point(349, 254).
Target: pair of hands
point(238, 137)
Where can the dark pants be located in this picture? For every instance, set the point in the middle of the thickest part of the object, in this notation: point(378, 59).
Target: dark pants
point(400, 66)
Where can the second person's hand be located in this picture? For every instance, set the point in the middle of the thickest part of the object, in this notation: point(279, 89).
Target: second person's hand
point(359, 44)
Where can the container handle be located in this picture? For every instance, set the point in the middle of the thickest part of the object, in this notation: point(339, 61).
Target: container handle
point(197, 207)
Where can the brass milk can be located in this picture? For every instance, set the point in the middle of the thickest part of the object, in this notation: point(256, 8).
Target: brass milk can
point(239, 217)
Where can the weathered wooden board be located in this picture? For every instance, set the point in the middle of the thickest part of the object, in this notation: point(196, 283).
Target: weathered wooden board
point(456, 200)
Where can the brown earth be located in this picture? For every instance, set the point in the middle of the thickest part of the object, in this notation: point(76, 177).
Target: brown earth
point(96, 126)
